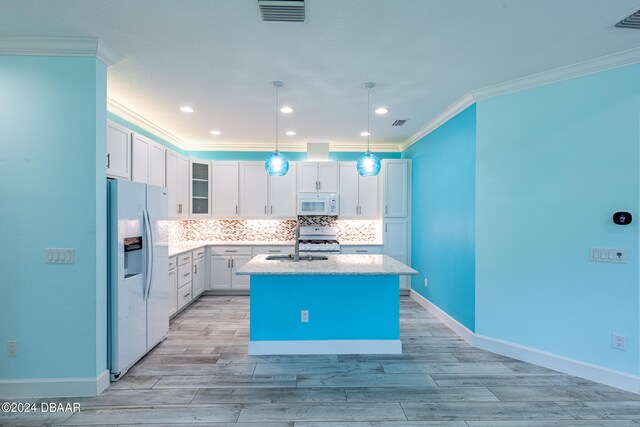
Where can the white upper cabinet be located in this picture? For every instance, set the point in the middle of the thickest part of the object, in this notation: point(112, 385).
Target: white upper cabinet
point(318, 177)
point(254, 182)
point(157, 162)
point(177, 185)
point(358, 194)
point(140, 158)
point(396, 191)
point(200, 182)
point(225, 189)
point(282, 194)
point(264, 196)
point(348, 190)
point(148, 161)
point(118, 151)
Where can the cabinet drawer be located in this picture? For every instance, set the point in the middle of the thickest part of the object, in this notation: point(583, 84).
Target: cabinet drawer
point(198, 253)
point(284, 250)
point(361, 249)
point(184, 296)
point(231, 250)
point(184, 275)
point(172, 262)
point(184, 258)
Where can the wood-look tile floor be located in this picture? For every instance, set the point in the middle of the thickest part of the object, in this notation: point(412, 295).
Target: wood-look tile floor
point(201, 375)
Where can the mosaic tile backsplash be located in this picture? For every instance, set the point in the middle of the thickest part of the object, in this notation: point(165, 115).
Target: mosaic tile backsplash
point(230, 230)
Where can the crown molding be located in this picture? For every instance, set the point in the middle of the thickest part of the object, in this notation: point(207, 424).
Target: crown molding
point(59, 46)
point(446, 115)
point(290, 147)
point(131, 116)
point(579, 69)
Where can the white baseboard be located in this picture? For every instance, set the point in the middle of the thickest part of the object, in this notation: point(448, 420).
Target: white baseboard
point(545, 359)
point(452, 323)
point(559, 363)
point(54, 387)
point(262, 348)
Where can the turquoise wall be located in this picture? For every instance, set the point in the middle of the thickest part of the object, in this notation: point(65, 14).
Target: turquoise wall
point(52, 113)
point(553, 164)
point(443, 216)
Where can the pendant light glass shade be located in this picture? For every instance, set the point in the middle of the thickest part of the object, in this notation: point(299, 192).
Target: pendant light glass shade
point(369, 163)
point(277, 164)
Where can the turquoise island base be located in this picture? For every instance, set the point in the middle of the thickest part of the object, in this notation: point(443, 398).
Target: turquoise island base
point(349, 304)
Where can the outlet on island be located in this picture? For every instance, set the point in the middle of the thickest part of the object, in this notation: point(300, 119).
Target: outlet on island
point(304, 316)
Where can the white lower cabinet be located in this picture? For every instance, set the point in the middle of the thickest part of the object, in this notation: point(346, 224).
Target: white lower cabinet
point(173, 287)
point(198, 280)
point(361, 249)
point(185, 279)
point(396, 244)
point(273, 250)
point(224, 262)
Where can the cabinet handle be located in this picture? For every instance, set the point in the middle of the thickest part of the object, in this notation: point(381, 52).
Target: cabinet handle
point(319, 185)
point(185, 274)
point(187, 259)
point(385, 209)
point(265, 209)
point(229, 263)
point(275, 251)
point(108, 160)
point(385, 228)
point(232, 262)
point(187, 294)
point(364, 251)
point(236, 209)
point(195, 269)
point(171, 273)
point(230, 250)
point(316, 185)
point(271, 209)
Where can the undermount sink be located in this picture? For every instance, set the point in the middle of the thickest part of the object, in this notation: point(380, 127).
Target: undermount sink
point(293, 258)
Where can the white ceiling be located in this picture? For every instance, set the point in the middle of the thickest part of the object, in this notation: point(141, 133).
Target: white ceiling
point(219, 57)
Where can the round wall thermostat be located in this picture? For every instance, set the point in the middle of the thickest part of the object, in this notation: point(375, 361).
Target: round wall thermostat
point(622, 218)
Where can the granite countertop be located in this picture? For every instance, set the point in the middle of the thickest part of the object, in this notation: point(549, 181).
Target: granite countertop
point(373, 265)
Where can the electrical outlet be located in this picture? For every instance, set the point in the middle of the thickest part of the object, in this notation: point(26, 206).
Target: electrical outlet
point(304, 316)
point(426, 282)
point(618, 341)
point(11, 348)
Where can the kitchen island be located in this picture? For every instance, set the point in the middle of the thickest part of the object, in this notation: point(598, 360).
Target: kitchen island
point(346, 304)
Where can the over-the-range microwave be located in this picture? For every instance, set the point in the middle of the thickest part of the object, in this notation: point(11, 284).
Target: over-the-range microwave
point(318, 204)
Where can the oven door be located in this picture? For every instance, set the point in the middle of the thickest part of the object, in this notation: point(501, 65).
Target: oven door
point(313, 206)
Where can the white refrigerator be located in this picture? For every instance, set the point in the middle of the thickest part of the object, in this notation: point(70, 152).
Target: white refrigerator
point(138, 288)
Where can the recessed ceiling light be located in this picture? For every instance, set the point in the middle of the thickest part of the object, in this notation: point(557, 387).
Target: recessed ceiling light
point(382, 110)
point(365, 133)
point(286, 110)
point(215, 132)
point(186, 109)
point(290, 133)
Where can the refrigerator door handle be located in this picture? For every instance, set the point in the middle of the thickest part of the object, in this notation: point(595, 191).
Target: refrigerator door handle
point(149, 264)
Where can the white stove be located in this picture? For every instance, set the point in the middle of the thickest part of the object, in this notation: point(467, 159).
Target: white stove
point(319, 240)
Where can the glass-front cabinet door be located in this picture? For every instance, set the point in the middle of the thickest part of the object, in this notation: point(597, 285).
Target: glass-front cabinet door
point(200, 205)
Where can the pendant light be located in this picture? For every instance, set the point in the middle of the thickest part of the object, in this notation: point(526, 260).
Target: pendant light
point(277, 164)
point(369, 163)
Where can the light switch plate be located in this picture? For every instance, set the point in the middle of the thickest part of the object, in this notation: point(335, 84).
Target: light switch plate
point(616, 256)
point(59, 255)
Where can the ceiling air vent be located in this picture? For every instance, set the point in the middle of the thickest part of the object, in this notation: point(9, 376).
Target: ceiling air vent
point(631, 21)
point(399, 123)
point(281, 10)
